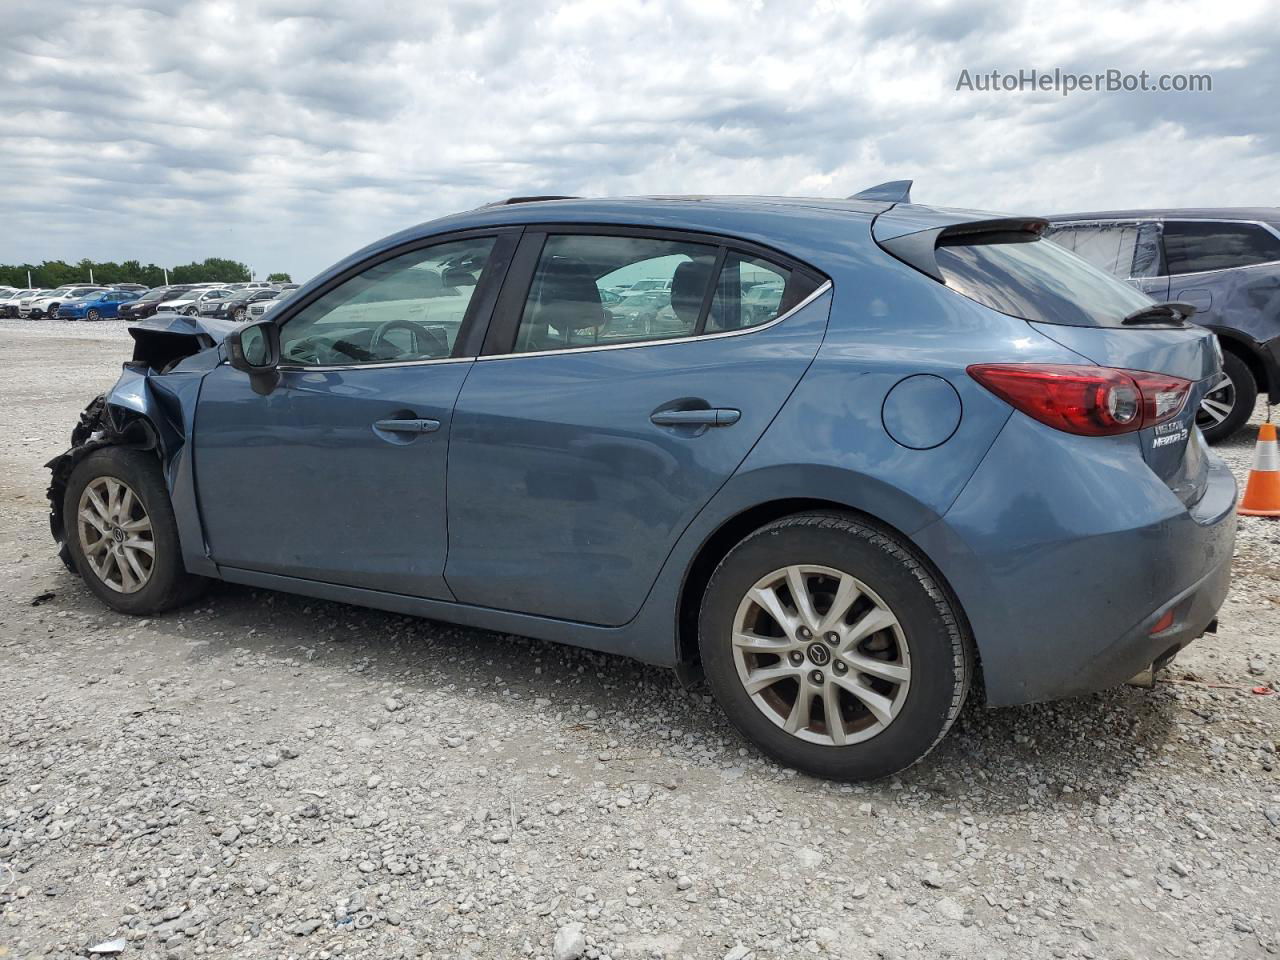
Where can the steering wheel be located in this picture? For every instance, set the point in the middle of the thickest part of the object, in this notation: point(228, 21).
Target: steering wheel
point(419, 332)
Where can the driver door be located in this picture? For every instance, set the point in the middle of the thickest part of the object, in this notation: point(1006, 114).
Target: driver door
point(338, 474)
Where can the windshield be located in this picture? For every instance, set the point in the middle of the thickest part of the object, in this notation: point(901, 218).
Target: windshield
point(1037, 280)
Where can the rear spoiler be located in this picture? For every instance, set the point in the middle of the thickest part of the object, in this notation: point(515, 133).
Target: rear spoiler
point(917, 249)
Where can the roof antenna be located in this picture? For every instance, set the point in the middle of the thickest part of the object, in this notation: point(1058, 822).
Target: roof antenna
point(891, 191)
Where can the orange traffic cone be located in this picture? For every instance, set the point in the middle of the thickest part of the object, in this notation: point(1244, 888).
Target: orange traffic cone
point(1262, 492)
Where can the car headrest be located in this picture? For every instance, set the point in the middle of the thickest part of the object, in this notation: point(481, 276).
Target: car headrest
point(688, 285)
point(568, 298)
point(458, 277)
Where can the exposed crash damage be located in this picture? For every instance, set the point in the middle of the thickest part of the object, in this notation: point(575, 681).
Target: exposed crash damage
point(149, 408)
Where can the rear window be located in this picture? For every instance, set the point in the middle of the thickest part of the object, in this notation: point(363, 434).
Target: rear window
point(1037, 280)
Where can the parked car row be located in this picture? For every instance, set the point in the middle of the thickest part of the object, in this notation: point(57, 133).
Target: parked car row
point(34, 304)
point(133, 300)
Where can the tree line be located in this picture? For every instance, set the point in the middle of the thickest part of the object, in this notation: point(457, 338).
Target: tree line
point(54, 273)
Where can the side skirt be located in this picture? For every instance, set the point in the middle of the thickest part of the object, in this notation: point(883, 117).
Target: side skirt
point(629, 640)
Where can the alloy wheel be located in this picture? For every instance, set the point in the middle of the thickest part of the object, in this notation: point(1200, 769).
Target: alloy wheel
point(1218, 402)
point(115, 534)
point(821, 655)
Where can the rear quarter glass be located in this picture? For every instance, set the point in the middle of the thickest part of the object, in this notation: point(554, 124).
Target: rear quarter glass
point(1038, 280)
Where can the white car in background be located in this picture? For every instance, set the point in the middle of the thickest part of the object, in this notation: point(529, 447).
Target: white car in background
point(259, 308)
point(9, 301)
point(25, 303)
point(189, 302)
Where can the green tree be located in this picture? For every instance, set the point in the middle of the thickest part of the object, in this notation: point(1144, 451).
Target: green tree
point(54, 273)
point(279, 278)
point(216, 269)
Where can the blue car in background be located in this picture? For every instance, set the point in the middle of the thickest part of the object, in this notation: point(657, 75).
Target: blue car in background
point(871, 445)
point(103, 305)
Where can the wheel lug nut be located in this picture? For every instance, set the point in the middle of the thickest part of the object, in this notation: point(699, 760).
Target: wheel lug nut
point(805, 634)
point(833, 638)
point(816, 676)
point(797, 657)
point(839, 667)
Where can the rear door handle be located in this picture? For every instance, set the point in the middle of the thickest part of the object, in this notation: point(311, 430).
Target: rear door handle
point(715, 417)
point(407, 426)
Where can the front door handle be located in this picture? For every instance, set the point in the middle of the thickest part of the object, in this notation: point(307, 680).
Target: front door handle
point(714, 417)
point(407, 426)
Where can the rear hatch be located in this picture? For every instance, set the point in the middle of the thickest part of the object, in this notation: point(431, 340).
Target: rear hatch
point(1003, 264)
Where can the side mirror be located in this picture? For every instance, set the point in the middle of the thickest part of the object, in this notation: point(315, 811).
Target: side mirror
point(255, 349)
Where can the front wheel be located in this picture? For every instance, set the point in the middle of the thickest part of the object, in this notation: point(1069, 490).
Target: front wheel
point(1229, 401)
point(830, 646)
point(93, 314)
point(121, 533)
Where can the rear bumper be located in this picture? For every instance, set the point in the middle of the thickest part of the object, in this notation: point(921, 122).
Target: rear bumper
point(1066, 553)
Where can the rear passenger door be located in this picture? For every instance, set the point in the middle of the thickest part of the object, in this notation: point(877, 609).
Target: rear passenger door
point(1199, 251)
point(586, 437)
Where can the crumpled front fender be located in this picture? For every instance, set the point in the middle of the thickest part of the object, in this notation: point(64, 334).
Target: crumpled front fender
point(145, 410)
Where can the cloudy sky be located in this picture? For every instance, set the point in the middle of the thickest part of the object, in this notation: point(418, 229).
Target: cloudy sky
point(287, 133)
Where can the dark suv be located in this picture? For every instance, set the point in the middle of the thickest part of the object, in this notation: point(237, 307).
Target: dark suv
point(1225, 262)
point(146, 305)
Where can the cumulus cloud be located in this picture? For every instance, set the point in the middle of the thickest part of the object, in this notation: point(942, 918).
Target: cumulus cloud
point(287, 133)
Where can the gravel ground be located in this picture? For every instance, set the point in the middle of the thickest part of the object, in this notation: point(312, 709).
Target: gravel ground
point(270, 776)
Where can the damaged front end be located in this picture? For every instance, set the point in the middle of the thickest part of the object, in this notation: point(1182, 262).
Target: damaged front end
point(151, 407)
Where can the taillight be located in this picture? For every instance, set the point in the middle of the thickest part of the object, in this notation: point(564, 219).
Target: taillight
point(1092, 401)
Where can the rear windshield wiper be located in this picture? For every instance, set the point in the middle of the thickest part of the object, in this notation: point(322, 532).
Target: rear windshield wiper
point(1168, 311)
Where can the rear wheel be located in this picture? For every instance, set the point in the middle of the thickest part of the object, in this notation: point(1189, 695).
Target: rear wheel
point(1228, 404)
point(122, 535)
point(832, 647)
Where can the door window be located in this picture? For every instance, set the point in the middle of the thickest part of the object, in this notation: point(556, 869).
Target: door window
point(1146, 253)
point(408, 308)
point(1108, 247)
point(1194, 246)
point(750, 292)
point(571, 301)
point(1064, 237)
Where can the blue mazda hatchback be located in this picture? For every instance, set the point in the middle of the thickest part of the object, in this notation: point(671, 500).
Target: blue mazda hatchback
point(859, 448)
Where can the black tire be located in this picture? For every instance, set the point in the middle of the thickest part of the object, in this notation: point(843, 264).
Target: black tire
point(168, 585)
point(93, 314)
point(1245, 396)
point(238, 315)
point(941, 652)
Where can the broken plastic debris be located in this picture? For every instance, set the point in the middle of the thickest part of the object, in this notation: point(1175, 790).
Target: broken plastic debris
point(42, 598)
point(109, 946)
point(1263, 691)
